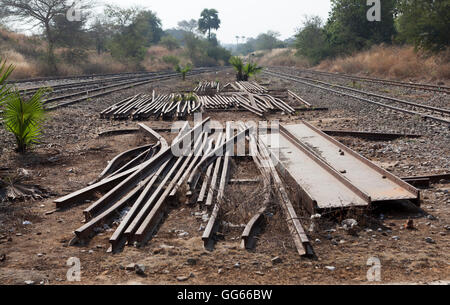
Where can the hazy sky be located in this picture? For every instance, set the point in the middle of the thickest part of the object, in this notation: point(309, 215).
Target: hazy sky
point(283, 16)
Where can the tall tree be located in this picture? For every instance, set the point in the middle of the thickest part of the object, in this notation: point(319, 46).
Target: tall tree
point(425, 23)
point(268, 41)
point(311, 40)
point(101, 32)
point(188, 25)
point(348, 28)
point(135, 30)
point(209, 20)
point(41, 13)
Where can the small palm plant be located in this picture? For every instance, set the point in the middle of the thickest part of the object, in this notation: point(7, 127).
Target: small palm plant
point(244, 71)
point(24, 117)
point(251, 69)
point(5, 72)
point(183, 70)
point(238, 65)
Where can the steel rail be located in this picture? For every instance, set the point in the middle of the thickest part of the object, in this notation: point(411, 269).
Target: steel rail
point(419, 86)
point(146, 227)
point(299, 80)
point(298, 234)
point(442, 110)
point(123, 85)
point(86, 76)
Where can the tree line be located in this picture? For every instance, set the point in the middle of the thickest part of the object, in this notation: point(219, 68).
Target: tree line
point(125, 33)
point(423, 23)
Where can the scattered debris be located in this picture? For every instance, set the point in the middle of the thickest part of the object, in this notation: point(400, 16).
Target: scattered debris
point(140, 269)
point(430, 240)
point(410, 225)
point(276, 260)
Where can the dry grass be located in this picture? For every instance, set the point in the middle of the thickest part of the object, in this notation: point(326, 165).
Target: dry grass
point(103, 63)
point(154, 58)
point(23, 68)
point(392, 62)
point(281, 57)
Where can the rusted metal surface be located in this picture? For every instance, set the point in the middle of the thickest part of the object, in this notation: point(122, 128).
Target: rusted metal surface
point(179, 106)
point(370, 135)
point(253, 226)
point(323, 188)
point(116, 162)
point(432, 178)
point(212, 156)
point(425, 181)
point(215, 175)
point(83, 232)
point(212, 225)
point(378, 183)
point(118, 239)
point(156, 136)
point(298, 234)
point(118, 132)
point(329, 174)
point(148, 226)
point(298, 98)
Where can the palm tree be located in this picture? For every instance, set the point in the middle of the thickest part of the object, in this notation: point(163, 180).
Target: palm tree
point(209, 20)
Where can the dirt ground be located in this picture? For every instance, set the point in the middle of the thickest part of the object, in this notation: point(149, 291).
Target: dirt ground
point(71, 155)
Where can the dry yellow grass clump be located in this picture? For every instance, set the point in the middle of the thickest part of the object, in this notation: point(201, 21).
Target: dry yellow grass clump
point(392, 62)
point(156, 55)
point(24, 68)
point(281, 57)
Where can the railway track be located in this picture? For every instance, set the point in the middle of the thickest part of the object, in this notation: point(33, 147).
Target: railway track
point(417, 86)
point(83, 84)
point(441, 115)
point(93, 89)
point(77, 77)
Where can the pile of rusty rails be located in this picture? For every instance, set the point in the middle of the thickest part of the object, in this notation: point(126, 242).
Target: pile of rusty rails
point(323, 175)
point(207, 88)
point(255, 88)
point(252, 87)
point(91, 89)
point(440, 115)
point(145, 180)
point(417, 86)
point(179, 106)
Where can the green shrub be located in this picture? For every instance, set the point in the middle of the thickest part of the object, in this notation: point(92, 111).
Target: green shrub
point(244, 71)
point(183, 70)
point(24, 118)
point(5, 72)
point(171, 60)
point(170, 42)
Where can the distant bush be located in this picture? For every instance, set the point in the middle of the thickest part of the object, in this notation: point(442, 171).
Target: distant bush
point(171, 60)
point(170, 42)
